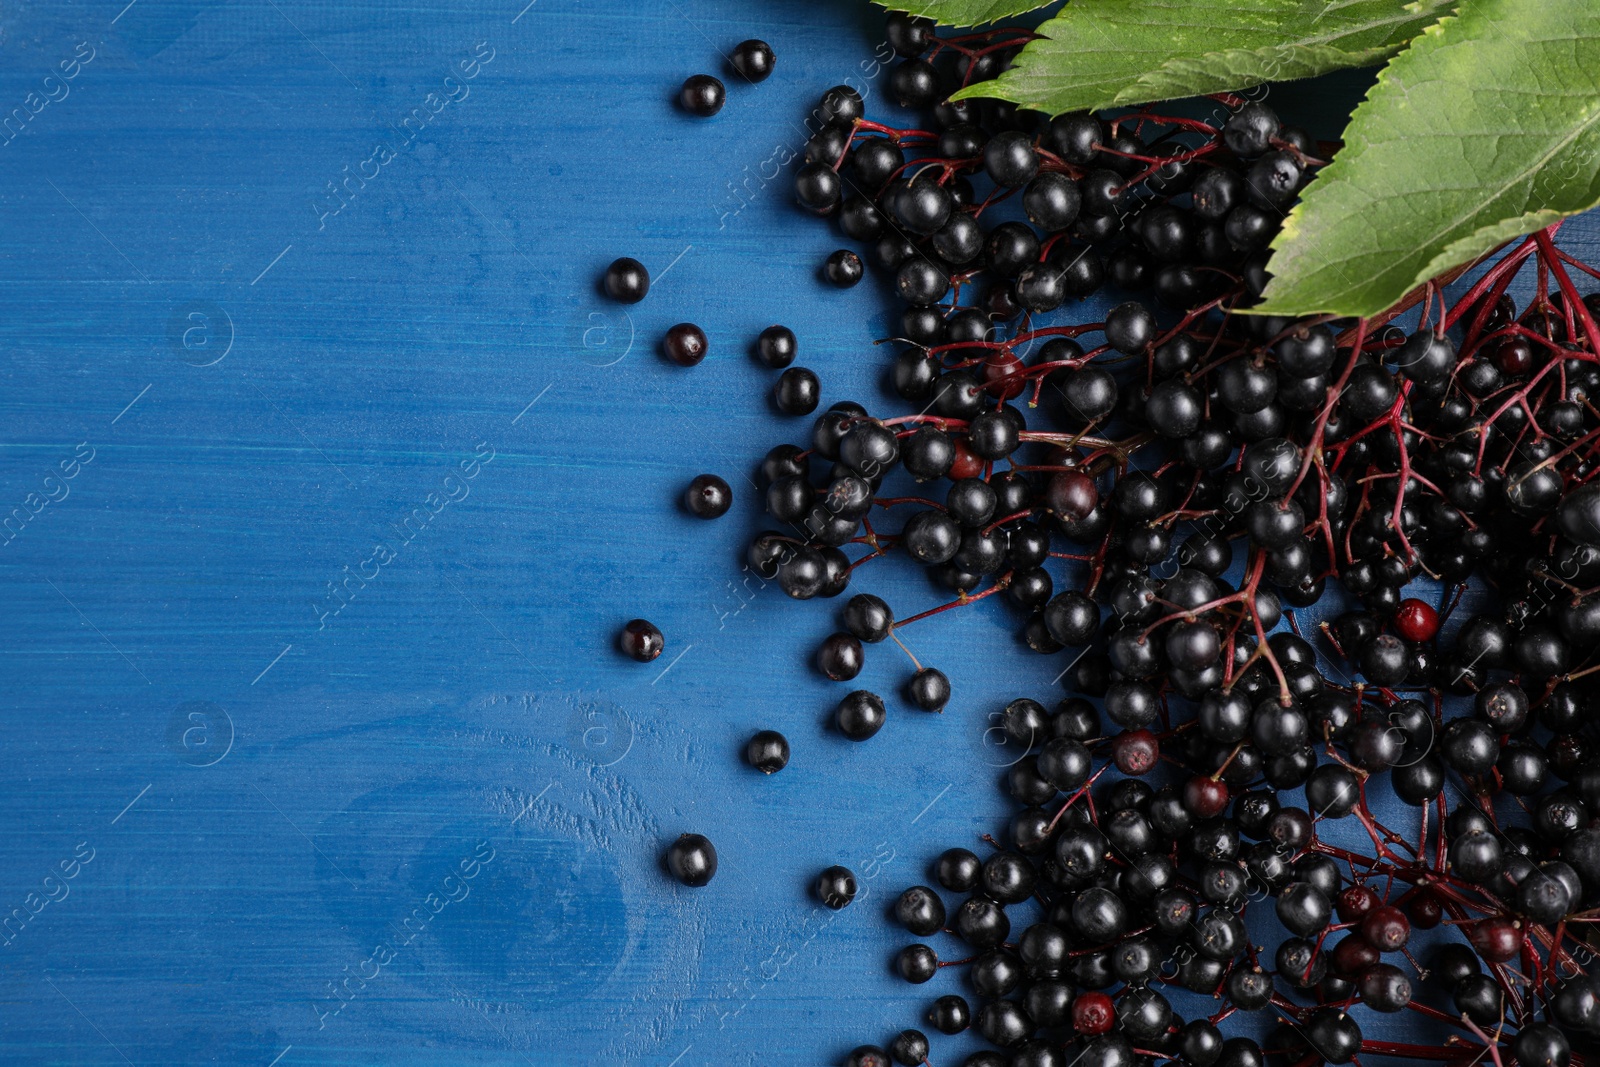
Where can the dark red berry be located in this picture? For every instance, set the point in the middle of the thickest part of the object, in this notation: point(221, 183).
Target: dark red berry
point(1205, 797)
point(1386, 928)
point(1093, 1013)
point(1416, 621)
point(685, 344)
point(1498, 940)
point(1136, 752)
point(1354, 903)
point(641, 640)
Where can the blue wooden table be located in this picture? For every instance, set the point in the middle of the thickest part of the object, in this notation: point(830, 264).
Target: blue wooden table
point(327, 478)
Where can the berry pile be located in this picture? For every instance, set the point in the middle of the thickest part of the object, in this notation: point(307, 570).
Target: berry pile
point(1157, 494)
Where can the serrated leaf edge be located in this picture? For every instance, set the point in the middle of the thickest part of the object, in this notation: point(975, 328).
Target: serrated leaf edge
point(1459, 251)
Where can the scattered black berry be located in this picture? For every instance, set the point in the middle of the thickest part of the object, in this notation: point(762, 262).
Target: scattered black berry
point(767, 751)
point(776, 347)
point(692, 859)
point(641, 640)
point(685, 344)
point(627, 281)
point(708, 497)
point(752, 60)
point(836, 887)
point(843, 268)
point(702, 95)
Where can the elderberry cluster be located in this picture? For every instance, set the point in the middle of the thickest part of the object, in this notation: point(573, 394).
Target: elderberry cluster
point(1157, 493)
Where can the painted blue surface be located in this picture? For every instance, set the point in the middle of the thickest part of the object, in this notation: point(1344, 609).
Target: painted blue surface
point(223, 389)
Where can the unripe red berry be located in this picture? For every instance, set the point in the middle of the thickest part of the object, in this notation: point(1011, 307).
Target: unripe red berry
point(1386, 928)
point(1354, 902)
point(1093, 1013)
point(1135, 752)
point(1497, 940)
point(1205, 797)
point(1416, 621)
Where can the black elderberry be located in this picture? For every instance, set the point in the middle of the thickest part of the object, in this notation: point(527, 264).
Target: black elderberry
point(627, 281)
point(752, 60)
point(909, 35)
point(867, 1056)
point(840, 657)
point(1009, 159)
point(817, 188)
point(1249, 131)
point(776, 347)
point(929, 689)
point(702, 95)
point(916, 963)
point(708, 497)
point(860, 715)
point(692, 859)
point(836, 887)
point(641, 640)
point(767, 751)
point(950, 1014)
point(843, 268)
point(909, 1048)
point(797, 391)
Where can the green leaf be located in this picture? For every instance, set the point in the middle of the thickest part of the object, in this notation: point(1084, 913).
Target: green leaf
point(1118, 53)
point(1487, 128)
point(965, 12)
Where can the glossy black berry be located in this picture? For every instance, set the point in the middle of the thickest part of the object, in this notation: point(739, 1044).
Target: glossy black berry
point(860, 715)
point(685, 344)
point(752, 60)
point(627, 281)
point(958, 870)
point(843, 268)
point(929, 689)
point(950, 1014)
point(817, 188)
point(797, 391)
point(641, 640)
point(708, 497)
point(692, 859)
point(702, 95)
point(909, 1048)
point(1010, 159)
point(920, 910)
point(836, 887)
point(840, 657)
point(776, 347)
point(767, 751)
point(916, 963)
point(1249, 131)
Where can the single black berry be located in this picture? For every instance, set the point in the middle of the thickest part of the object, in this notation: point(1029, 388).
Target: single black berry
point(767, 751)
point(708, 497)
point(836, 887)
point(702, 95)
point(843, 268)
point(641, 640)
point(752, 60)
point(685, 344)
point(692, 859)
point(797, 391)
point(776, 347)
point(627, 281)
